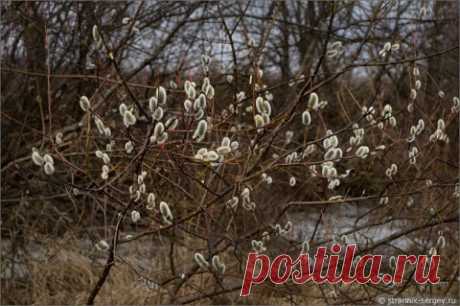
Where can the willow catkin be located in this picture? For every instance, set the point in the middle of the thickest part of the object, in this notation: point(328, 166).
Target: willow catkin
point(200, 132)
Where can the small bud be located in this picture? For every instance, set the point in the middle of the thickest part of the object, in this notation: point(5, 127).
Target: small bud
point(102, 245)
point(135, 216)
point(59, 136)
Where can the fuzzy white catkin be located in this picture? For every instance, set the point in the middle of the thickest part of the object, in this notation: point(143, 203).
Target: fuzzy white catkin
point(200, 132)
point(122, 109)
point(211, 156)
point(200, 102)
point(48, 159)
point(245, 194)
point(267, 108)
point(100, 125)
point(96, 35)
point(201, 261)
point(218, 265)
point(129, 119)
point(225, 142)
point(48, 168)
point(456, 101)
point(362, 152)
point(234, 145)
point(107, 132)
point(166, 212)
point(187, 105)
point(85, 105)
point(171, 123)
point(151, 201)
point(37, 158)
point(129, 147)
point(163, 138)
point(161, 95)
point(190, 90)
point(59, 136)
point(158, 130)
point(158, 114)
point(258, 120)
point(387, 46)
point(153, 104)
point(199, 114)
point(135, 216)
point(313, 101)
point(441, 124)
point(105, 158)
point(260, 105)
point(387, 110)
point(191, 93)
point(413, 94)
point(142, 188)
point(210, 92)
point(232, 203)
point(306, 118)
point(223, 150)
point(102, 245)
point(98, 153)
